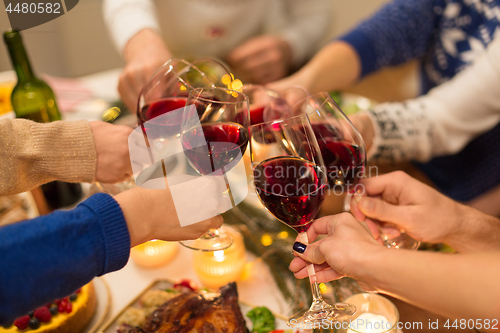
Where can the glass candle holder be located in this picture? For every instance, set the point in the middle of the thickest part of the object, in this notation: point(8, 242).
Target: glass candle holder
point(217, 268)
point(374, 314)
point(154, 253)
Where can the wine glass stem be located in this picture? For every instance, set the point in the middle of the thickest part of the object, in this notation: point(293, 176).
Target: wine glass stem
point(228, 188)
point(347, 202)
point(210, 234)
point(317, 298)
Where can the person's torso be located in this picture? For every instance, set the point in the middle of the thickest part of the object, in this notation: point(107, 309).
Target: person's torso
point(200, 28)
point(463, 31)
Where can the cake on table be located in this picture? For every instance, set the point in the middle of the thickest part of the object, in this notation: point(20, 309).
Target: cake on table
point(67, 315)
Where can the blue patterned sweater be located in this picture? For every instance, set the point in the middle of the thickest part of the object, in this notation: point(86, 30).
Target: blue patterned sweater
point(446, 36)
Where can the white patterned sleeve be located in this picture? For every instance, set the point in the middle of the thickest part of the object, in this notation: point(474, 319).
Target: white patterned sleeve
point(443, 121)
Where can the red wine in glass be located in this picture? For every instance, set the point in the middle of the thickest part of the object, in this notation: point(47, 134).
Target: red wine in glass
point(343, 159)
point(225, 145)
point(291, 188)
point(162, 126)
point(257, 115)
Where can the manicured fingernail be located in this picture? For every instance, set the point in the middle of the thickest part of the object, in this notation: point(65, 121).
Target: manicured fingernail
point(357, 197)
point(299, 247)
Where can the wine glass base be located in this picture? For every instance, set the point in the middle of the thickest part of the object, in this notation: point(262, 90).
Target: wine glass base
point(211, 241)
point(403, 241)
point(318, 317)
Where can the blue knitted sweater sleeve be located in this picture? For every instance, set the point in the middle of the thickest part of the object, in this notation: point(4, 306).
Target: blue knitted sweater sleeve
point(51, 256)
point(402, 30)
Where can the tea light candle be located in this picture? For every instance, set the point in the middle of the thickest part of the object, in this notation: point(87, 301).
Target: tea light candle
point(374, 314)
point(218, 268)
point(369, 323)
point(154, 253)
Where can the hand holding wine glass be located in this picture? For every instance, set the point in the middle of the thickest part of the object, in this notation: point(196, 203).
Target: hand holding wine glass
point(343, 151)
point(290, 180)
point(343, 251)
point(409, 205)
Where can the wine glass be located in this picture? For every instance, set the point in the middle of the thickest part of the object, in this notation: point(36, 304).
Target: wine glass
point(167, 90)
point(265, 104)
point(344, 154)
point(160, 112)
point(290, 181)
point(214, 138)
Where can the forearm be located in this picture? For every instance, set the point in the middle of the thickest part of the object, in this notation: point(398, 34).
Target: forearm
point(32, 154)
point(335, 66)
point(475, 232)
point(146, 40)
point(138, 203)
point(455, 286)
point(59, 252)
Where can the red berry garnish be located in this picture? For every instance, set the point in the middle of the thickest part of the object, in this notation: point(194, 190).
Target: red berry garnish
point(22, 322)
point(43, 314)
point(69, 307)
point(62, 306)
point(58, 301)
point(186, 283)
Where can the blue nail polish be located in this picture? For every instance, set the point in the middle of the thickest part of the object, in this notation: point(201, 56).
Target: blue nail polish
point(299, 247)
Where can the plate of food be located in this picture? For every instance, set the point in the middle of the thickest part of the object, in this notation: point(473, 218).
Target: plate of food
point(16, 208)
point(166, 307)
point(81, 312)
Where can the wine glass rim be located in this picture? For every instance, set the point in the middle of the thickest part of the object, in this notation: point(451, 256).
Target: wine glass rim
point(185, 62)
point(171, 70)
point(169, 64)
point(280, 120)
point(191, 93)
point(272, 92)
point(327, 98)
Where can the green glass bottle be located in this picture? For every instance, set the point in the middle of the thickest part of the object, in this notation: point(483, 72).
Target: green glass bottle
point(33, 99)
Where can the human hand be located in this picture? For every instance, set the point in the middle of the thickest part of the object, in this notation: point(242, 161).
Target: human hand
point(261, 59)
point(365, 127)
point(111, 144)
point(343, 252)
point(144, 54)
point(396, 198)
point(151, 214)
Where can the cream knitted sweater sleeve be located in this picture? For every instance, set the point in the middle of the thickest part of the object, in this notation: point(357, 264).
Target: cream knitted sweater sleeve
point(32, 154)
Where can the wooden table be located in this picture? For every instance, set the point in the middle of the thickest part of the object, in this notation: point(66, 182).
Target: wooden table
point(412, 315)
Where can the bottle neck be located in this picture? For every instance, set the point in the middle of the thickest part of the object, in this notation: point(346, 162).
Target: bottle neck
point(20, 61)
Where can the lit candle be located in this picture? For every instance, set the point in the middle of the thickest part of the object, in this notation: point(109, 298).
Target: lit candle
point(374, 314)
point(154, 253)
point(218, 268)
point(369, 323)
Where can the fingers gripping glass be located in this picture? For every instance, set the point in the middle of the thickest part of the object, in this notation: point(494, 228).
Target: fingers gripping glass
point(290, 180)
point(344, 154)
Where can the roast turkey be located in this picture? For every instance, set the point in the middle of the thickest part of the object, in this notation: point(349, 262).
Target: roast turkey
point(198, 312)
